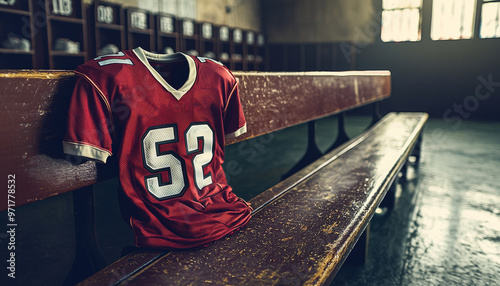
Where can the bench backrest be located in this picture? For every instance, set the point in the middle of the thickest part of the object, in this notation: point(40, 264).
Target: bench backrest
point(35, 104)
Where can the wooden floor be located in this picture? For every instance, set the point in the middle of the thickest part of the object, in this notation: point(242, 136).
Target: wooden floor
point(445, 229)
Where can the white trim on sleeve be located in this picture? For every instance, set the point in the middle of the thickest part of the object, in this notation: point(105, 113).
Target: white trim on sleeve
point(237, 132)
point(87, 151)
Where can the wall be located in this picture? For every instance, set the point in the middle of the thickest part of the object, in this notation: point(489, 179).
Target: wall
point(454, 80)
point(309, 21)
point(241, 14)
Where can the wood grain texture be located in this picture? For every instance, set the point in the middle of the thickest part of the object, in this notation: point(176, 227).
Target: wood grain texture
point(273, 100)
point(32, 125)
point(128, 264)
point(35, 104)
point(303, 236)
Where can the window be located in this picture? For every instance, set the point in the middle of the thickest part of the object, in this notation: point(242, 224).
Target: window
point(401, 20)
point(490, 20)
point(452, 19)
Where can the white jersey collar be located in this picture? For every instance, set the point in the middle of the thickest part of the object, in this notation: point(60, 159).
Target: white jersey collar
point(144, 55)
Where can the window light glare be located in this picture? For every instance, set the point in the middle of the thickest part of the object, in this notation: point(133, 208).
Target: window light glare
point(401, 4)
point(452, 19)
point(401, 20)
point(400, 25)
point(490, 20)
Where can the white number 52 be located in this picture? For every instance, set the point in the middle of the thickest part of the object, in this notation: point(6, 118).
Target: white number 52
point(197, 135)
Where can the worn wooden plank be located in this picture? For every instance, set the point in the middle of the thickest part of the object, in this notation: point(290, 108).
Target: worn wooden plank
point(114, 273)
point(276, 100)
point(302, 237)
point(35, 104)
point(34, 107)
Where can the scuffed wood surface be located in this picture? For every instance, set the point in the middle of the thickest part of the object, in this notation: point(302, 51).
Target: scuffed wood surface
point(302, 237)
point(274, 100)
point(34, 108)
point(124, 266)
point(35, 103)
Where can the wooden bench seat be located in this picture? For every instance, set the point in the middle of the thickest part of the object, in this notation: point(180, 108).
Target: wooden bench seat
point(316, 214)
point(304, 227)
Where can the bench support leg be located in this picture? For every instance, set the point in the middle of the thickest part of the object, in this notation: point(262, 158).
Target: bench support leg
point(404, 173)
point(342, 135)
point(417, 149)
point(389, 200)
point(88, 258)
point(376, 113)
point(359, 253)
point(312, 152)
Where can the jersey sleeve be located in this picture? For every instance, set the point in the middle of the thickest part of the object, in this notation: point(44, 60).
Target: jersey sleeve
point(234, 118)
point(89, 127)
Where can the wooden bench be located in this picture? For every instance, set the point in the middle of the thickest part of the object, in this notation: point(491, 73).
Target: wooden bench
point(302, 229)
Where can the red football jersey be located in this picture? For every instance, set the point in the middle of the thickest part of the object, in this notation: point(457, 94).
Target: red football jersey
point(165, 117)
